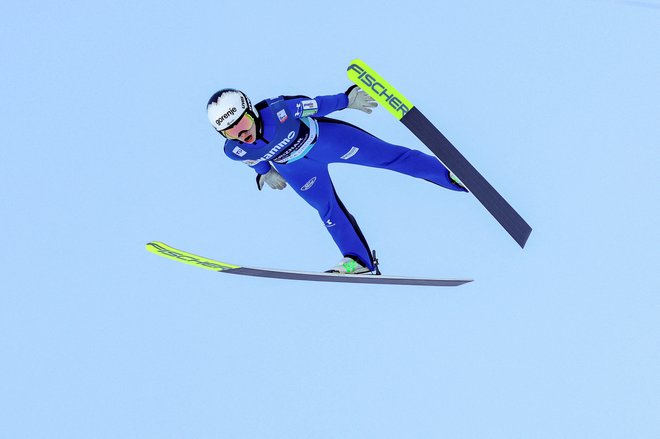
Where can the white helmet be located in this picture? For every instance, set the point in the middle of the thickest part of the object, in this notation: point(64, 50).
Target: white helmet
point(227, 106)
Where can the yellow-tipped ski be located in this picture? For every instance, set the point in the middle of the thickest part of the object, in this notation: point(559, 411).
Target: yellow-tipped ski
point(378, 88)
point(199, 261)
point(165, 250)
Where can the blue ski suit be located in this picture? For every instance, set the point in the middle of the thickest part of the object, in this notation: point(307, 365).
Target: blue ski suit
point(299, 141)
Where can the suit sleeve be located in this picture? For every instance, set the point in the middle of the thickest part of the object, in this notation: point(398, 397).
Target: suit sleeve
point(260, 168)
point(302, 106)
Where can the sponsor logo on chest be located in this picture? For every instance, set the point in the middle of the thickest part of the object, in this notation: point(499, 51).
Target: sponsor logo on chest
point(277, 148)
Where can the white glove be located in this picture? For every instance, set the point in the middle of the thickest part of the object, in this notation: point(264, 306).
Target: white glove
point(273, 178)
point(358, 99)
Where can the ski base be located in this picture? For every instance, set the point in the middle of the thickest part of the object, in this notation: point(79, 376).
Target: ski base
point(166, 251)
point(498, 207)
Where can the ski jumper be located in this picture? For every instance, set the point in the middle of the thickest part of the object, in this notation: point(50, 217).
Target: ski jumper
point(299, 141)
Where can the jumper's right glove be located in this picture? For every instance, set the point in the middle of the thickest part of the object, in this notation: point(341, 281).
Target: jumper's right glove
point(358, 99)
point(272, 178)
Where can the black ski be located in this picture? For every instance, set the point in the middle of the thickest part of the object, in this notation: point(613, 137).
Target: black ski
point(367, 79)
point(162, 249)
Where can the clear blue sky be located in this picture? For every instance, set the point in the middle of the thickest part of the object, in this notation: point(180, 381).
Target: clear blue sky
point(105, 146)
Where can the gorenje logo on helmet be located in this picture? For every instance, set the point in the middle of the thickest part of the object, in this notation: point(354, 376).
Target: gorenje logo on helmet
point(229, 113)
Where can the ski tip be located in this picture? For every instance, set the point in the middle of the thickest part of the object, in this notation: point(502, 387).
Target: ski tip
point(166, 251)
point(378, 88)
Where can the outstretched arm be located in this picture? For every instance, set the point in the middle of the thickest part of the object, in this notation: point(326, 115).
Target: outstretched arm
point(354, 97)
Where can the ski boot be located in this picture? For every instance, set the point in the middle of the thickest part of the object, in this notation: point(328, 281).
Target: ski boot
point(349, 265)
point(454, 179)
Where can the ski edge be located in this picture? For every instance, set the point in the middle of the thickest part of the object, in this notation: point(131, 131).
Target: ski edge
point(343, 278)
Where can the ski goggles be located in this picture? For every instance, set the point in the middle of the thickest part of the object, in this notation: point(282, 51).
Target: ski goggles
point(243, 124)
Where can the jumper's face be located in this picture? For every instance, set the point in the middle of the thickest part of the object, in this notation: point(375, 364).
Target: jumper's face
point(244, 130)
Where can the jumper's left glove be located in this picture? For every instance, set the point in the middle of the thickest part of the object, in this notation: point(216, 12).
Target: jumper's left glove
point(272, 178)
point(358, 99)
